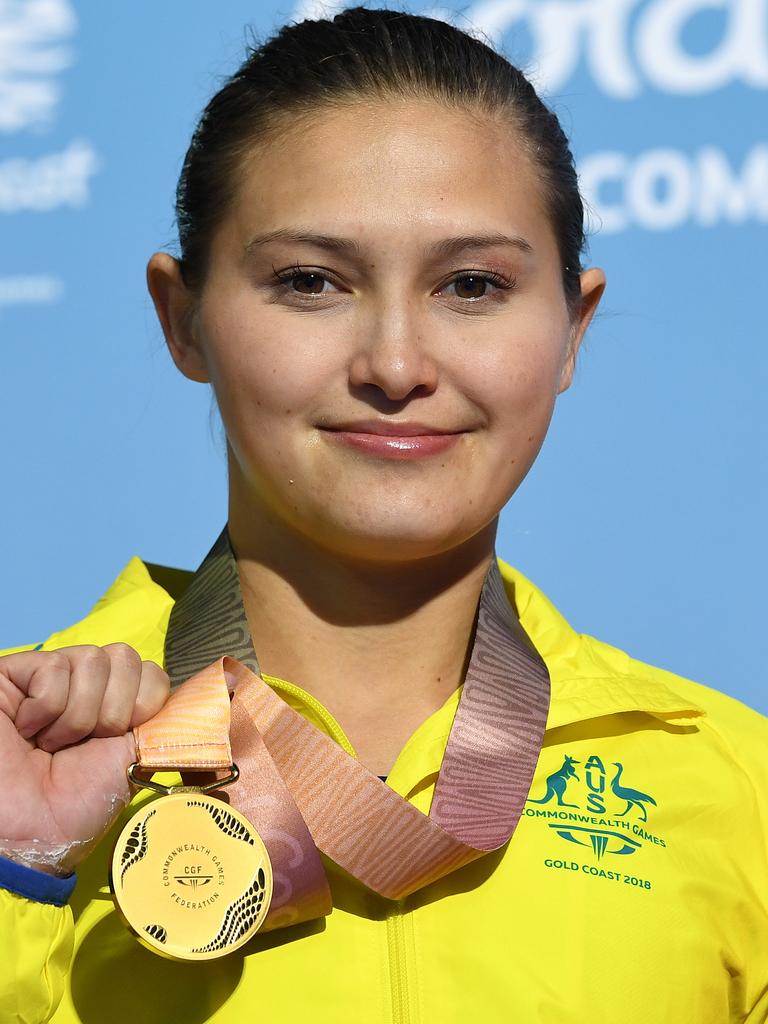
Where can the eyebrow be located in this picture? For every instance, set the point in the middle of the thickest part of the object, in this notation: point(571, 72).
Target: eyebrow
point(442, 249)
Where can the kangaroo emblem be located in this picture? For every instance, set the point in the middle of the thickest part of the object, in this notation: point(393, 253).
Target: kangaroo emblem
point(557, 781)
point(633, 796)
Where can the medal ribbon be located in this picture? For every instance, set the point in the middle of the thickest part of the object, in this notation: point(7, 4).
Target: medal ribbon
point(303, 792)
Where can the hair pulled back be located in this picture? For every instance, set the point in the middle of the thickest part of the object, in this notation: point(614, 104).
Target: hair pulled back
point(363, 54)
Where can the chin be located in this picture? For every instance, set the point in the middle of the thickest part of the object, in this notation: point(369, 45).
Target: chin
point(395, 537)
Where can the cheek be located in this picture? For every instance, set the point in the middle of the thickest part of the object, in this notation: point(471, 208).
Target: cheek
point(515, 382)
point(262, 375)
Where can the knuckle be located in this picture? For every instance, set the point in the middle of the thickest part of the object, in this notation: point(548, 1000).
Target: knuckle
point(152, 672)
point(124, 655)
point(56, 661)
point(90, 655)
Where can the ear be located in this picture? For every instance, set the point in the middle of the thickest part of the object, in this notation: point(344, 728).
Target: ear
point(175, 308)
point(592, 288)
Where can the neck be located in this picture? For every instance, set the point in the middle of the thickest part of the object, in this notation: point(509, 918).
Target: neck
point(382, 646)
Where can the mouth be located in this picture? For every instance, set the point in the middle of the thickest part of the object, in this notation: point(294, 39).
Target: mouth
point(391, 439)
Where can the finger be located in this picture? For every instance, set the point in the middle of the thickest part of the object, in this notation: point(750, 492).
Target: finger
point(11, 694)
point(154, 689)
point(119, 700)
point(41, 679)
point(87, 683)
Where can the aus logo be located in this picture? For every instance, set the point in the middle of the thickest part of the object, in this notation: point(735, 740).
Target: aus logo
point(595, 778)
point(606, 800)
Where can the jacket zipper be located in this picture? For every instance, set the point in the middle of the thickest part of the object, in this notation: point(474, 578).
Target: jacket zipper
point(398, 968)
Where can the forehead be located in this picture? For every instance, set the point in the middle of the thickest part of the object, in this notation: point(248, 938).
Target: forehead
point(393, 166)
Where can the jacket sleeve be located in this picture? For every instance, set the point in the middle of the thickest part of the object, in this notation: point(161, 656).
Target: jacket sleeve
point(36, 943)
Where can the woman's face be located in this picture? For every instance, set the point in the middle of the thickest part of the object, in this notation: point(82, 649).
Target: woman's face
point(384, 325)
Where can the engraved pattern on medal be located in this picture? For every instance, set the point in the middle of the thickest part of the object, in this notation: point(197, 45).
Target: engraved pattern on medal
point(227, 822)
point(239, 916)
point(135, 845)
point(157, 932)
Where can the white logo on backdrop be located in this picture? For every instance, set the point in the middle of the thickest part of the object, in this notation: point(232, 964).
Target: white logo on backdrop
point(661, 189)
point(26, 289)
point(625, 44)
point(629, 47)
point(34, 51)
point(57, 179)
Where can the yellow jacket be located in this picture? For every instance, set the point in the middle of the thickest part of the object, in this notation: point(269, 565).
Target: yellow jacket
point(634, 889)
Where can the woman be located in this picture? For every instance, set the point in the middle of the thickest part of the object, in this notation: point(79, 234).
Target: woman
point(380, 276)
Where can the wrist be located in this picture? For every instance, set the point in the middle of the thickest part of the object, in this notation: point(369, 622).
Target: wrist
point(53, 859)
point(56, 870)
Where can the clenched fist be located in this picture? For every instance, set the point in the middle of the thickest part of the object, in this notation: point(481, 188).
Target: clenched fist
point(65, 742)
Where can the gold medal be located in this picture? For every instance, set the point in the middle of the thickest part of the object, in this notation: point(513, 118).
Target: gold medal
point(190, 875)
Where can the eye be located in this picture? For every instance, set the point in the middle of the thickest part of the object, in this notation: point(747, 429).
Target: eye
point(297, 281)
point(308, 283)
point(473, 285)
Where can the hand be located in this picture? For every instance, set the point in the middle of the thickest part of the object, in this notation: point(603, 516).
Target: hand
point(65, 743)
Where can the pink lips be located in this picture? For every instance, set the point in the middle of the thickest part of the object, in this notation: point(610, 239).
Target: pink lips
point(392, 440)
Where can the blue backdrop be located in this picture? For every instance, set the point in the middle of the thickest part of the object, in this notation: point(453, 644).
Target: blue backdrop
point(644, 517)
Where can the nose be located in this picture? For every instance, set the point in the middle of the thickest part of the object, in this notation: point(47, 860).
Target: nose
point(394, 355)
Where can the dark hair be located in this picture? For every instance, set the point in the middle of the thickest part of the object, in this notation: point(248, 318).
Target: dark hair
point(360, 54)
